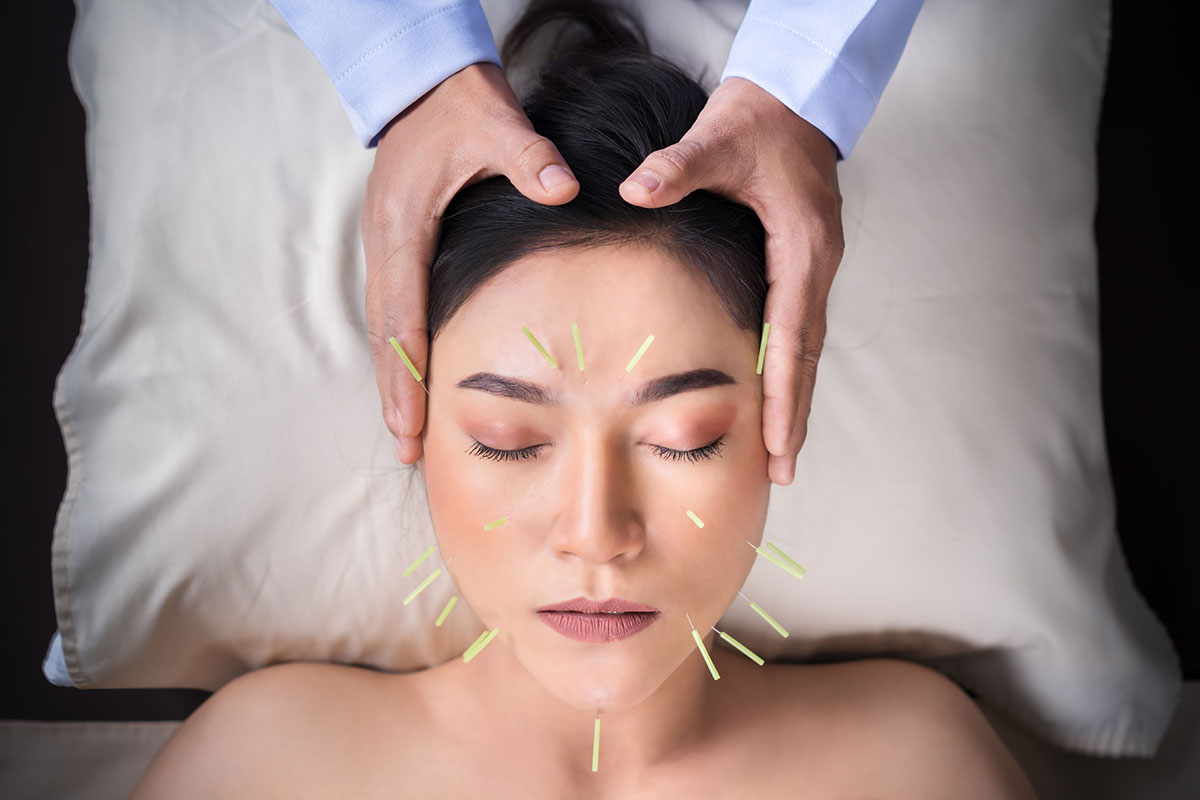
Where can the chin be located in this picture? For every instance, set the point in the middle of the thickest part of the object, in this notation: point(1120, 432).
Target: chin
point(588, 693)
point(612, 680)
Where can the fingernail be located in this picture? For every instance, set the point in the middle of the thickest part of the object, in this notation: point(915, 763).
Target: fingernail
point(647, 180)
point(553, 177)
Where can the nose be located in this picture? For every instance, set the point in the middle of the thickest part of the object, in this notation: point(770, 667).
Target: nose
point(600, 519)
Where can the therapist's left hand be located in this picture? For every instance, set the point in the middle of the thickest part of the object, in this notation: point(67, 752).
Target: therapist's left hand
point(749, 147)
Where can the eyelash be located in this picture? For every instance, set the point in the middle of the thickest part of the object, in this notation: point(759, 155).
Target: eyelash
point(705, 452)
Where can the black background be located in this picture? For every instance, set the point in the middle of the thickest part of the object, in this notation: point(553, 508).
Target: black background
point(1148, 291)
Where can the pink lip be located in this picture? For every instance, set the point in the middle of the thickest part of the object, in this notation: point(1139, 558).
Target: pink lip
point(613, 605)
point(597, 627)
point(605, 621)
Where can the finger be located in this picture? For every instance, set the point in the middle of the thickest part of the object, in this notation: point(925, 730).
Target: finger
point(786, 408)
point(535, 167)
point(408, 451)
point(667, 176)
point(798, 292)
point(399, 248)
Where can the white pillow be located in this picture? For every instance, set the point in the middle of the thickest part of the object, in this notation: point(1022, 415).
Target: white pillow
point(234, 499)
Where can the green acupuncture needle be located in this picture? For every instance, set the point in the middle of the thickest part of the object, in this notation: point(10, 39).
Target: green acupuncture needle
point(469, 653)
point(787, 567)
point(640, 352)
point(453, 601)
point(786, 558)
point(746, 651)
point(762, 347)
point(767, 617)
point(703, 651)
point(596, 745)
point(578, 346)
point(413, 566)
point(496, 523)
point(421, 587)
point(480, 643)
point(538, 345)
point(692, 515)
point(408, 363)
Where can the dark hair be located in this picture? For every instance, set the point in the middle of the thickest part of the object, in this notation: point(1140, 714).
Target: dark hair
point(606, 102)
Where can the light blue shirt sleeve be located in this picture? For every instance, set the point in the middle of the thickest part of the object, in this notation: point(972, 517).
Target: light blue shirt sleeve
point(826, 60)
point(383, 55)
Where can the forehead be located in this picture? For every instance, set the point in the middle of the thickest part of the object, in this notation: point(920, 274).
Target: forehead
point(617, 295)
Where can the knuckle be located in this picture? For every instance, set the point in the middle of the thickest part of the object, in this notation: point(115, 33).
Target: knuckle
point(679, 159)
point(531, 153)
point(381, 220)
point(384, 323)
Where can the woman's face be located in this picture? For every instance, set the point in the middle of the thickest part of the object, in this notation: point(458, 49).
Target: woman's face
point(595, 469)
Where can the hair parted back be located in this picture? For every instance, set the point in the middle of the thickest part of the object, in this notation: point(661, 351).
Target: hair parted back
point(606, 102)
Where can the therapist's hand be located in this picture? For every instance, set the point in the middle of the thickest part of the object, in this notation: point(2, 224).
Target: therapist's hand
point(748, 146)
point(469, 127)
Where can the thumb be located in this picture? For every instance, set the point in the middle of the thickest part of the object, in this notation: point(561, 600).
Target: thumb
point(537, 170)
point(671, 174)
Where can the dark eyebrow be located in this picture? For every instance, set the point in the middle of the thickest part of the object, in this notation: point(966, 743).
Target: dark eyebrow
point(649, 392)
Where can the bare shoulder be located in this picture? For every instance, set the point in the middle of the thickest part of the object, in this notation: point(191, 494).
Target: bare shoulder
point(907, 730)
point(281, 731)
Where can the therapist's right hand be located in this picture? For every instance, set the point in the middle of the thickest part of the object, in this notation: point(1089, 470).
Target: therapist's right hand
point(467, 128)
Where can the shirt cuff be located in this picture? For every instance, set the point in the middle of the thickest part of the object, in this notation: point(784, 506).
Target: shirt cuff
point(409, 62)
point(805, 76)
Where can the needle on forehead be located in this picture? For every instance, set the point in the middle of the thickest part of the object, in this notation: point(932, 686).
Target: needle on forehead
point(762, 347)
point(538, 345)
point(640, 352)
point(578, 345)
point(408, 363)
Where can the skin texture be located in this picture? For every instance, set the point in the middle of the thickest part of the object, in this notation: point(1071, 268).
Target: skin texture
point(597, 513)
point(745, 145)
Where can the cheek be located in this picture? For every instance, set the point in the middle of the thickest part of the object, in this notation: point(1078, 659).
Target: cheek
point(465, 494)
point(730, 497)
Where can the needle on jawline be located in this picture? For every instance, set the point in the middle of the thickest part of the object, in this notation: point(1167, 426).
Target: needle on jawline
point(782, 560)
point(716, 676)
point(766, 617)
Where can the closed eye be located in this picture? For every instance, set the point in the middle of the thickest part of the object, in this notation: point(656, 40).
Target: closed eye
point(483, 451)
point(707, 451)
point(494, 454)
